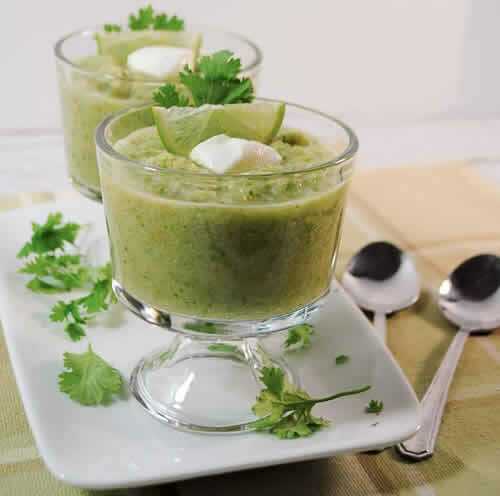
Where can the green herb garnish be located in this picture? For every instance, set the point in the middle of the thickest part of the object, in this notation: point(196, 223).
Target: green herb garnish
point(88, 379)
point(341, 359)
point(374, 406)
point(53, 269)
point(146, 19)
point(214, 81)
point(285, 410)
point(224, 348)
point(51, 236)
point(205, 327)
point(112, 28)
point(78, 312)
point(164, 23)
point(299, 337)
point(54, 273)
point(168, 96)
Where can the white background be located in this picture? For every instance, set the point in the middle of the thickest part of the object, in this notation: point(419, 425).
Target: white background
point(370, 61)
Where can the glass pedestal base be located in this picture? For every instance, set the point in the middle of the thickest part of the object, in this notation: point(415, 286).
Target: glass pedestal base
point(203, 386)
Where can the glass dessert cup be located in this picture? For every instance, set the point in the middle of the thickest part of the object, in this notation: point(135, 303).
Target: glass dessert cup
point(87, 96)
point(220, 260)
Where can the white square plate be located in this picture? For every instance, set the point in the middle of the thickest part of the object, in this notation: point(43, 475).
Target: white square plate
point(121, 445)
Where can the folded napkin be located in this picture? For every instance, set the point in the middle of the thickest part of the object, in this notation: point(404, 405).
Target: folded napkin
point(442, 214)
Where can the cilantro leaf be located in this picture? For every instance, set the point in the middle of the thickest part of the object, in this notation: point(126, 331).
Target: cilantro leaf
point(112, 28)
point(168, 96)
point(374, 406)
point(56, 272)
point(51, 236)
point(220, 65)
point(286, 411)
point(147, 19)
point(143, 20)
point(299, 337)
point(164, 23)
point(76, 313)
point(341, 359)
point(224, 348)
point(88, 379)
point(215, 80)
point(274, 380)
point(206, 327)
point(75, 331)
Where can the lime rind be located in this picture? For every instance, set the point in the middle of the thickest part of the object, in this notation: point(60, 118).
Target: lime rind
point(182, 128)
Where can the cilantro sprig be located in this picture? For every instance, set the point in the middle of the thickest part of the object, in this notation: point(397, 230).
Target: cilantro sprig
point(374, 406)
point(51, 236)
point(341, 359)
point(146, 18)
point(88, 379)
point(285, 410)
point(77, 313)
point(112, 28)
point(52, 268)
point(214, 81)
point(52, 258)
point(299, 337)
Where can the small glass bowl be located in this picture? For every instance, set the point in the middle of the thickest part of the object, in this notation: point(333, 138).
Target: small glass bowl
point(221, 261)
point(87, 96)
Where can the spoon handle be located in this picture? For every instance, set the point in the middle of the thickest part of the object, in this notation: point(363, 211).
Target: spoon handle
point(380, 323)
point(421, 445)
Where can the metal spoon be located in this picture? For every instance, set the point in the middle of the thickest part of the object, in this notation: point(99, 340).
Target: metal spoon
point(383, 279)
point(470, 298)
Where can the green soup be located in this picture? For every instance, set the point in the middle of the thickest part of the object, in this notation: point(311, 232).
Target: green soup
point(224, 247)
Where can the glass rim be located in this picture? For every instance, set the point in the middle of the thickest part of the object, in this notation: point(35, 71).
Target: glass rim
point(346, 155)
point(59, 44)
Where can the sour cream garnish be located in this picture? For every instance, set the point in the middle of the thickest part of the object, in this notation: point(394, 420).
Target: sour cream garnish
point(159, 62)
point(222, 154)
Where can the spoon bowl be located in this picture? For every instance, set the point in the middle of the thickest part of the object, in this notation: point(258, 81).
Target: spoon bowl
point(470, 296)
point(383, 279)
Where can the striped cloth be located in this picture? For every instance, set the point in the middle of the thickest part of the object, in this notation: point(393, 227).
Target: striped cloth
point(442, 214)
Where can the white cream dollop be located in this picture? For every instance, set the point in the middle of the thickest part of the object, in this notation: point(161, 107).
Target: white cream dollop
point(159, 62)
point(223, 154)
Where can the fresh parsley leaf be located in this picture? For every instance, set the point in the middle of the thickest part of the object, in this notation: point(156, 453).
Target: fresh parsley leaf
point(341, 359)
point(56, 273)
point(224, 348)
point(164, 23)
point(52, 268)
point(374, 406)
point(88, 379)
point(299, 337)
point(76, 313)
point(147, 19)
point(169, 96)
point(215, 80)
point(206, 327)
point(112, 28)
point(274, 380)
point(51, 236)
point(75, 331)
point(286, 411)
point(143, 20)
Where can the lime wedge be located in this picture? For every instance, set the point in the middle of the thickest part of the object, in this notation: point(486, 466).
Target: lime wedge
point(182, 128)
point(120, 44)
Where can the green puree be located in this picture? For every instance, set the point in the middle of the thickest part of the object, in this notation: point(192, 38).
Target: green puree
point(87, 97)
point(243, 249)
